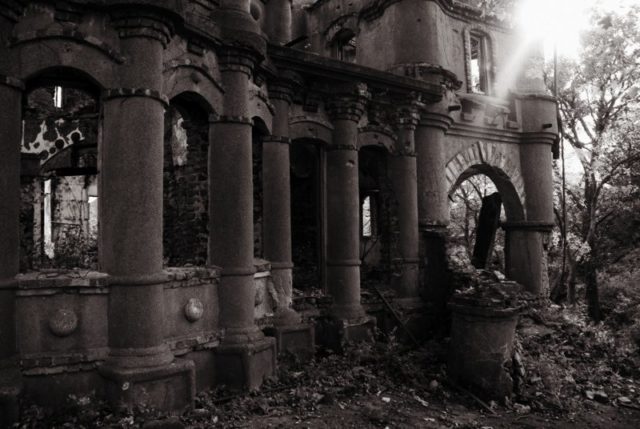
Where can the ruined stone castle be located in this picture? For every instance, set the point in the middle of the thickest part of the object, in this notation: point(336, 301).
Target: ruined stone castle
point(189, 188)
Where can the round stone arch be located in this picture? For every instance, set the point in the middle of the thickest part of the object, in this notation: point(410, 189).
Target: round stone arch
point(376, 137)
point(34, 58)
point(488, 159)
point(196, 82)
point(314, 128)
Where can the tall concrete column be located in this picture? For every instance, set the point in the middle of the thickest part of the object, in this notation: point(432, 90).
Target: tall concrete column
point(433, 205)
point(526, 253)
point(277, 198)
point(246, 356)
point(279, 21)
point(290, 333)
point(10, 130)
point(343, 215)
point(131, 225)
point(404, 182)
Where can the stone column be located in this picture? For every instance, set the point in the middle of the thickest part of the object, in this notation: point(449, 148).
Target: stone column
point(279, 21)
point(10, 130)
point(526, 251)
point(245, 356)
point(131, 226)
point(403, 174)
point(289, 331)
point(433, 205)
point(343, 216)
point(525, 255)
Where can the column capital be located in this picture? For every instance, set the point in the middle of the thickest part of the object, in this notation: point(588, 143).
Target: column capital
point(112, 93)
point(408, 116)
point(348, 103)
point(132, 23)
point(237, 59)
point(284, 86)
point(435, 120)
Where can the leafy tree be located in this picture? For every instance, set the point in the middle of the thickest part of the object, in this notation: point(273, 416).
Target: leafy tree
point(598, 98)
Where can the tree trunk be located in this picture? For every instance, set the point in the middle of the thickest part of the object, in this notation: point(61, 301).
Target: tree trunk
point(591, 281)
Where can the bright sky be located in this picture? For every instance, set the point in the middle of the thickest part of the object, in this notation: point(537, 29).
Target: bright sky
point(561, 21)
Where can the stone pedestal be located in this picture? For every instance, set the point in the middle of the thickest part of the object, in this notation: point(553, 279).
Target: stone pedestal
point(131, 226)
point(10, 130)
point(246, 365)
point(481, 348)
point(245, 357)
point(163, 387)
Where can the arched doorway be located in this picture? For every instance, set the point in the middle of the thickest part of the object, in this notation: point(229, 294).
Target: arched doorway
point(482, 198)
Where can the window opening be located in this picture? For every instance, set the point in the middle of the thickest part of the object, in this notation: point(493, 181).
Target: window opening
point(57, 97)
point(479, 64)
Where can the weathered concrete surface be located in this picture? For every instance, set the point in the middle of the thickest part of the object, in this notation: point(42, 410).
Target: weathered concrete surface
point(481, 349)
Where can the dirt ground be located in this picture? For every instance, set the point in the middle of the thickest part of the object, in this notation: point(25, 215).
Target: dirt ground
point(576, 375)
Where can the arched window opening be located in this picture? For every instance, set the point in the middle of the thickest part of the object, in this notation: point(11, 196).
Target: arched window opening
point(59, 179)
point(185, 183)
point(344, 46)
point(479, 62)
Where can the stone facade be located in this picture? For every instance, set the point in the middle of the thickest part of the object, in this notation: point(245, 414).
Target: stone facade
point(218, 131)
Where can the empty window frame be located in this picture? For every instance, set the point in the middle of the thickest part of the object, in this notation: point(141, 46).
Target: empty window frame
point(344, 46)
point(479, 64)
point(369, 216)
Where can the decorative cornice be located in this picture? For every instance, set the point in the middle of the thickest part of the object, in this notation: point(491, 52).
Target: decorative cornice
point(132, 24)
point(348, 103)
point(430, 73)
point(136, 92)
point(452, 8)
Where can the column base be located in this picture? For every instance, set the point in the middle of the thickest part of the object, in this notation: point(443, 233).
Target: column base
point(169, 387)
point(246, 365)
point(334, 333)
point(10, 390)
point(297, 339)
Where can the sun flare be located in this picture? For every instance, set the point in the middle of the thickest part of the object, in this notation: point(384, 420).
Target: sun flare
point(560, 22)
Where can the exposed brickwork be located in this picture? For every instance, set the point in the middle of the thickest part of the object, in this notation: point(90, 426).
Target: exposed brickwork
point(185, 186)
